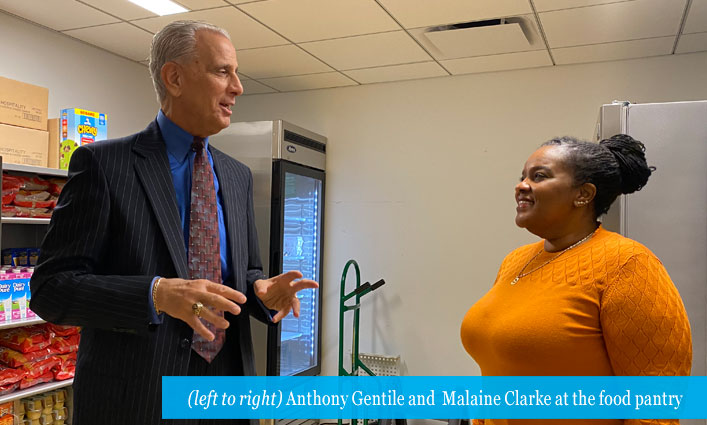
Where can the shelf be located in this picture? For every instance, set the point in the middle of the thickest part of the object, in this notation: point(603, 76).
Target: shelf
point(18, 323)
point(37, 389)
point(25, 220)
point(286, 336)
point(36, 170)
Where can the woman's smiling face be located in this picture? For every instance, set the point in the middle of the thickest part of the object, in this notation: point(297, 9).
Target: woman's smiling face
point(546, 192)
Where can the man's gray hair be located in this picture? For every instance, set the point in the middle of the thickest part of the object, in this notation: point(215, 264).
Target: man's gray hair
point(176, 42)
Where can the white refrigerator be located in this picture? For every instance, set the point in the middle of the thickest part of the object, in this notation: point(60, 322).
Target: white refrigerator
point(669, 215)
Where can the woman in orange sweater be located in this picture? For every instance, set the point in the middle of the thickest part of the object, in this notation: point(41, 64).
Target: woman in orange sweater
point(584, 300)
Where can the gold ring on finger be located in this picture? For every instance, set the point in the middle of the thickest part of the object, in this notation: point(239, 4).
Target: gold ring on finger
point(196, 308)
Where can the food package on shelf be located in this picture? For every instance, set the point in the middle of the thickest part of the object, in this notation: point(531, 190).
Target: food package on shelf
point(26, 339)
point(30, 382)
point(13, 358)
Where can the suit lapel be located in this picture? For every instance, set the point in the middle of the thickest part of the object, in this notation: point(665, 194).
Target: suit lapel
point(230, 212)
point(152, 167)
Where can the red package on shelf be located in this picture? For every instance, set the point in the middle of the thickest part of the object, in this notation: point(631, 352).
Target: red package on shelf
point(26, 339)
point(6, 389)
point(66, 344)
point(66, 367)
point(39, 368)
point(30, 382)
point(10, 376)
point(64, 373)
point(13, 358)
point(56, 186)
point(8, 195)
point(62, 330)
point(33, 212)
point(9, 211)
point(34, 199)
point(11, 182)
point(33, 183)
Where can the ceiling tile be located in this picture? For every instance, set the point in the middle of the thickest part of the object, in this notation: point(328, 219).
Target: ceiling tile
point(424, 13)
point(614, 51)
point(201, 4)
point(408, 71)
point(122, 9)
point(487, 40)
point(341, 18)
point(366, 51)
point(310, 82)
point(242, 1)
point(692, 43)
point(245, 32)
point(254, 87)
point(607, 23)
point(696, 17)
point(122, 39)
point(278, 61)
point(545, 5)
point(502, 62)
point(57, 14)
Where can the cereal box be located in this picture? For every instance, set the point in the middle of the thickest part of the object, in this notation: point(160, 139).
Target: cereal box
point(79, 127)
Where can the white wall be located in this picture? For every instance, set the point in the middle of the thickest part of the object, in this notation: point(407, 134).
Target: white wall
point(77, 75)
point(420, 185)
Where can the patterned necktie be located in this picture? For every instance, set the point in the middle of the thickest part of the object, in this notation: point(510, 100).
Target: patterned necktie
point(204, 245)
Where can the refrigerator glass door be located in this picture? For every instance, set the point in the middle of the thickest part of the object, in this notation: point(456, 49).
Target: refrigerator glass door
point(301, 194)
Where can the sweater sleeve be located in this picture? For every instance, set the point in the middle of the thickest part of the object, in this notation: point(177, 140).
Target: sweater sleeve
point(645, 326)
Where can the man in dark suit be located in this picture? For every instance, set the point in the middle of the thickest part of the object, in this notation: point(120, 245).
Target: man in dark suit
point(152, 248)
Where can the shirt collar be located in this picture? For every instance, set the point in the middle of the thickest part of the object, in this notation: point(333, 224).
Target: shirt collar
point(177, 140)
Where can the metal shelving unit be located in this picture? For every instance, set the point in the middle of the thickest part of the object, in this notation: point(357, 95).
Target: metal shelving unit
point(37, 389)
point(25, 220)
point(19, 323)
point(35, 170)
point(33, 234)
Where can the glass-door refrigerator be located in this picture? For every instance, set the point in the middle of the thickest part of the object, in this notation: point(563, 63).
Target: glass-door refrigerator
point(287, 163)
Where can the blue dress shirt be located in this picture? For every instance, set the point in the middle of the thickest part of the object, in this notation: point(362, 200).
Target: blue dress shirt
point(181, 163)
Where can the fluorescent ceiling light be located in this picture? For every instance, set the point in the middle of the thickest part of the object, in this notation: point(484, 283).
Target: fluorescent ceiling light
point(160, 7)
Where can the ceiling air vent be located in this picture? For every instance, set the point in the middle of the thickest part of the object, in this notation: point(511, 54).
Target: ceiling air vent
point(480, 38)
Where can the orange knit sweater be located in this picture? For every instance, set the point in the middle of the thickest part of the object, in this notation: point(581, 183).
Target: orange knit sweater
point(606, 307)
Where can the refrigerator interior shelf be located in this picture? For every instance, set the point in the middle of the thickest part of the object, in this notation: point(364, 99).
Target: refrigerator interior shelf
point(286, 336)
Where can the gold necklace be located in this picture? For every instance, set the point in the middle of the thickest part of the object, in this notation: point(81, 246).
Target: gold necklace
point(521, 274)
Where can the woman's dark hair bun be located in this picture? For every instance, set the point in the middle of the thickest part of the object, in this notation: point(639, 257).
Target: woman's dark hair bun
point(630, 156)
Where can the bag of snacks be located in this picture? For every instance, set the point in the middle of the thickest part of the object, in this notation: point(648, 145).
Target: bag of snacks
point(30, 382)
point(13, 358)
point(26, 339)
point(65, 344)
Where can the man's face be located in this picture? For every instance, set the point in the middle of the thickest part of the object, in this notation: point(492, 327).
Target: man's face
point(210, 84)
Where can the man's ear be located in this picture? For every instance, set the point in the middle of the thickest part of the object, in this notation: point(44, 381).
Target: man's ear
point(173, 78)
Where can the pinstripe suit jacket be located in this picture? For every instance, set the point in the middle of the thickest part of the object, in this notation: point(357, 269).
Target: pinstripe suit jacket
point(115, 227)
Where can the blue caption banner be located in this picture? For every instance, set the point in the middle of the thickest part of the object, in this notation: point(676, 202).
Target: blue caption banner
point(449, 397)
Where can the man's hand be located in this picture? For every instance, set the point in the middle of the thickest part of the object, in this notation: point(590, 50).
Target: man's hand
point(176, 297)
point(279, 293)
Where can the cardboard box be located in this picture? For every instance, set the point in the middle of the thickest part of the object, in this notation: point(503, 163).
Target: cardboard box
point(19, 145)
point(23, 104)
point(79, 127)
point(54, 141)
